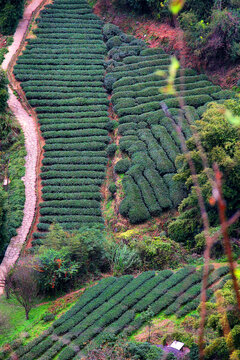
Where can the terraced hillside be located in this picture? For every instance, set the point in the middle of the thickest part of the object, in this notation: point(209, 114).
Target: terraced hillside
point(62, 73)
point(148, 137)
point(111, 306)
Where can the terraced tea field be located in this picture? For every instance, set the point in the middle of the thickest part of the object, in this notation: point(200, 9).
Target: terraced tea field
point(61, 72)
point(111, 307)
point(148, 137)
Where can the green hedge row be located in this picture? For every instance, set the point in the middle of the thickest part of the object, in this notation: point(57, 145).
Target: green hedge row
point(64, 95)
point(75, 160)
point(63, 76)
point(88, 296)
point(132, 206)
point(75, 133)
point(82, 146)
point(69, 211)
point(69, 102)
point(71, 196)
point(70, 219)
point(69, 124)
point(110, 307)
point(115, 307)
point(72, 174)
point(75, 167)
point(98, 139)
point(71, 204)
point(171, 282)
point(157, 154)
point(92, 307)
point(186, 297)
point(192, 305)
point(148, 137)
point(176, 190)
point(52, 351)
point(71, 189)
point(160, 189)
point(64, 81)
point(21, 351)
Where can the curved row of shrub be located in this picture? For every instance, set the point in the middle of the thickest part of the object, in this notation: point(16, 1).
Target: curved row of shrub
point(149, 140)
point(111, 307)
point(62, 71)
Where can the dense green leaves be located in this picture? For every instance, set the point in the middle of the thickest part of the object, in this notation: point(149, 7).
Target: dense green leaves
point(64, 82)
point(108, 308)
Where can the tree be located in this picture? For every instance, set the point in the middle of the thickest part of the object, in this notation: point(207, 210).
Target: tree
point(221, 142)
point(23, 284)
point(147, 318)
point(55, 269)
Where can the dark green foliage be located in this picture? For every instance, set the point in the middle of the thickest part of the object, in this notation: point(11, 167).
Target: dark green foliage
point(3, 93)
point(108, 308)
point(112, 188)
point(148, 137)
point(111, 149)
point(143, 351)
point(110, 30)
point(11, 11)
point(122, 166)
point(48, 317)
point(64, 82)
point(215, 133)
point(109, 80)
point(132, 206)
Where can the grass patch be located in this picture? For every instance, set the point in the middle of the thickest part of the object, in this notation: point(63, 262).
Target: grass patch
point(17, 320)
point(35, 325)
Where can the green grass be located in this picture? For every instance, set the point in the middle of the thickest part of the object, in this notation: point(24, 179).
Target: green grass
point(17, 320)
point(18, 323)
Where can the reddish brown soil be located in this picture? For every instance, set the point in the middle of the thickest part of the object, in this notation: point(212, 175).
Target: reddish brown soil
point(3, 41)
point(158, 34)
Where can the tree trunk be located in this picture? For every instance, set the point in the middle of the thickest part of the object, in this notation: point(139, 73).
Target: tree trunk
point(27, 314)
point(7, 291)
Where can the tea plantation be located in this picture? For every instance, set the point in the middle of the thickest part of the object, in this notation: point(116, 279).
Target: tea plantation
point(111, 307)
point(148, 137)
point(61, 72)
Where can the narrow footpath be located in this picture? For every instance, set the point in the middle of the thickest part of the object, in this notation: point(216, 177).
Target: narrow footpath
point(29, 128)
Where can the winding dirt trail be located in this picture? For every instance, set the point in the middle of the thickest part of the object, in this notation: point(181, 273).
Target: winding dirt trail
point(29, 127)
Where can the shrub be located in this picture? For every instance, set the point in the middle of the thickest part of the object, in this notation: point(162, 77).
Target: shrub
point(113, 42)
point(111, 125)
point(109, 80)
point(112, 188)
point(158, 252)
point(122, 259)
point(143, 351)
point(48, 317)
point(111, 149)
point(122, 166)
point(233, 339)
point(110, 30)
point(218, 348)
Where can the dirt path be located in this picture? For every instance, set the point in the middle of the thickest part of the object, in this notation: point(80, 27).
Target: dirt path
point(28, 126)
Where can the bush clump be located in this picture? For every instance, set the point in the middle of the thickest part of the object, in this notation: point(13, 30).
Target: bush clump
point(112, 188)
point(111, 149)
point(122, 166)
point(110, 30)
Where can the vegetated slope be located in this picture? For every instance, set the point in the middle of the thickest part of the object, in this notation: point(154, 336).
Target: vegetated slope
point(111, 307)
point(12, 160)
point(61, 72)
point(149, 138)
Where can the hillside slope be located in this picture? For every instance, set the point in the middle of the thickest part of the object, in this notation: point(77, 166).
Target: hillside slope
point(110, 307)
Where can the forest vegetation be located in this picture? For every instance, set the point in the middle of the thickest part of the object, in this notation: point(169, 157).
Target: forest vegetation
point(135, 241)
